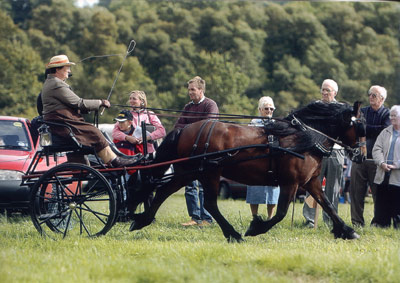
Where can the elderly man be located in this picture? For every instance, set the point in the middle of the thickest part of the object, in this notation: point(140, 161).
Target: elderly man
point(206, 108)
point(332, 166)
point(362, 175)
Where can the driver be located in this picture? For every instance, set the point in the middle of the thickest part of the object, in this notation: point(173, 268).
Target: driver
point(61, 104)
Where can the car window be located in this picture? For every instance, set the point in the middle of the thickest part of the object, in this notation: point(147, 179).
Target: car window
point(13, 135)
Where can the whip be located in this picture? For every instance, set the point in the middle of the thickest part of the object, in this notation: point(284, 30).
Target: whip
point(131, 47)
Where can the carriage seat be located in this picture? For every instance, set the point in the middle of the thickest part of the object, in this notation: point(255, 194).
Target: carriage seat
point(62, 144)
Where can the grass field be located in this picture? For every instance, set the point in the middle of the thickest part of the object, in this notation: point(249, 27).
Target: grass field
point(167, 252)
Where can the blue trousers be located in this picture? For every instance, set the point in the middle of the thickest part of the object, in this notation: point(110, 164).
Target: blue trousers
point(195, 202)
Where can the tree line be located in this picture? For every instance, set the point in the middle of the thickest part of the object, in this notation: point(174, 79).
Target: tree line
point(243, 49)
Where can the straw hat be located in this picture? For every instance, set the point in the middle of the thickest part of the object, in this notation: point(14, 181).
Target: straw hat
point(59, 61)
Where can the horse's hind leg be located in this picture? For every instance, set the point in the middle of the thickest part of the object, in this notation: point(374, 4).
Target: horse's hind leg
point(211, 185)
point(162, 193)
point(340, 229)
point(259, 226)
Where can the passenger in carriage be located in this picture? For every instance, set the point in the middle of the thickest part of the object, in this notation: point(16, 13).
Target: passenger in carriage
point(263, 194)
point(331, 166)
point(61, 104)
point(125, 133)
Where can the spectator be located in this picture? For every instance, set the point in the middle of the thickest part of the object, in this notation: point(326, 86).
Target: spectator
point(263, 194)
point(362, 175)
point(346, 180)
point(331, 166)
point(206, 108)
point(386, 154)
point(126, 137)
point(61, 104)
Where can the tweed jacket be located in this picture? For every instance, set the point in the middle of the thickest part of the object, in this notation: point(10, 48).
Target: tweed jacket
point(57, 95)
point(60, 103)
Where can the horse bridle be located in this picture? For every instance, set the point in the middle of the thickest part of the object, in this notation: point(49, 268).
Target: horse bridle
point(354, 151)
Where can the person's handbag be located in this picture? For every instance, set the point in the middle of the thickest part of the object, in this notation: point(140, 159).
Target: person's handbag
point(150, 127)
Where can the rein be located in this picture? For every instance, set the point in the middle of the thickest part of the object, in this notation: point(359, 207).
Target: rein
point(355, 150)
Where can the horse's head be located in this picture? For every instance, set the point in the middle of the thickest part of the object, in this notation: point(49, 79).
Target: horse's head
point(353, 136)
point(341, 123)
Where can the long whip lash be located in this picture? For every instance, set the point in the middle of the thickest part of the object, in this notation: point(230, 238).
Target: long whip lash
point(131, 47)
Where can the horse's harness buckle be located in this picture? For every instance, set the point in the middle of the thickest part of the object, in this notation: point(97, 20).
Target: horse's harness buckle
point(297, 123)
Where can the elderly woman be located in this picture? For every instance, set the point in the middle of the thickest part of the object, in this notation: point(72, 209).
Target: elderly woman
point(386, 154)
point(61, 104)
point(263, 194)
point(138, 101)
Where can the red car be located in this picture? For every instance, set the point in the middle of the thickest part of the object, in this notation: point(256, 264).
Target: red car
point(18, 145)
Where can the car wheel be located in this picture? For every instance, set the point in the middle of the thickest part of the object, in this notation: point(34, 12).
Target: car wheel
point(224, 191)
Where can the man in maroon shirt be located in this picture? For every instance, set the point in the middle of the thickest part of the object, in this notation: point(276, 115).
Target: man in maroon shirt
point(205, 108)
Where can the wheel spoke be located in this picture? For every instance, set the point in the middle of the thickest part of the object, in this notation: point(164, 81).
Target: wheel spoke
point(69, 193)
point(67, 225)
point(82, 224)
point(95, 213)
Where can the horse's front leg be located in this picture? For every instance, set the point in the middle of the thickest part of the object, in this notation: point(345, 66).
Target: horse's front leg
point(211, 186)
point(259, 226)
point(340, 229)
point(162, 193)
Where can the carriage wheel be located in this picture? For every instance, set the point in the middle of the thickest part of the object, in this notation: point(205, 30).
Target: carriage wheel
point(73, 199)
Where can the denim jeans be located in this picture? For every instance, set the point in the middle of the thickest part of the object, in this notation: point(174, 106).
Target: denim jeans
point(195, 202)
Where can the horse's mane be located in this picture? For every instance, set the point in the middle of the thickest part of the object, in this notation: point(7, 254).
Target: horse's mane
point(317, 114)
point(313, 113)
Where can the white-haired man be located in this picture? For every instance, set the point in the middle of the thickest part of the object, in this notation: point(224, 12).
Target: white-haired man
point(332, 166)
point(377, 118)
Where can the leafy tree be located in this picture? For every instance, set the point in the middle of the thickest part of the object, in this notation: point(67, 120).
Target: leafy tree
point(20, 69)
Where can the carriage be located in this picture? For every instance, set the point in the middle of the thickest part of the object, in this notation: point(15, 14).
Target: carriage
point(74, 198)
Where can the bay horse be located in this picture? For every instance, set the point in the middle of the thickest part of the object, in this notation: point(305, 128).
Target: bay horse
point(286, 152)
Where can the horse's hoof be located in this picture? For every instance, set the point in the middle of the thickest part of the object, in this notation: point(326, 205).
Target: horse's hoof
point(255, 228)
point(251, 232)
point(345, 233)
point(354, 236)
point(235, 240)
point(139, 221)
point(134, 226)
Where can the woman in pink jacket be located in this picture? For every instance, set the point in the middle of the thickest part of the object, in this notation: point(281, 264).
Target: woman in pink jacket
point(138, 101)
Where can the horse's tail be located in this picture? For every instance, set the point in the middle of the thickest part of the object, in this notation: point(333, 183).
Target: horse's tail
point(168, 150)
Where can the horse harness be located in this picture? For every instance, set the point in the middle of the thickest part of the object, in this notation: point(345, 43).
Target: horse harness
point(355, 151)
point(273, 143)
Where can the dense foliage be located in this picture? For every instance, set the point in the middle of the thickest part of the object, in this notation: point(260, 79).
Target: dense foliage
point(243, 49)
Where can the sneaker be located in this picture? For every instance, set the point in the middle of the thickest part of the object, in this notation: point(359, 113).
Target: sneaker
point(190, 223)
point(124, 161)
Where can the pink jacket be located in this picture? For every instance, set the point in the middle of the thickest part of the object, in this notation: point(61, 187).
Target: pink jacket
point(138, 117)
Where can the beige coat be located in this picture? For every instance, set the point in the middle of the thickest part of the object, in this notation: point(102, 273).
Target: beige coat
point(380, 153)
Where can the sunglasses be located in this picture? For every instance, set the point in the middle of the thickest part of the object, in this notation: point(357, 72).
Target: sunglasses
point(269, 108)
point(374, 95)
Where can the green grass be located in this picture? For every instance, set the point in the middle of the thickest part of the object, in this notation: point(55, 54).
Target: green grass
point(167, 252)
